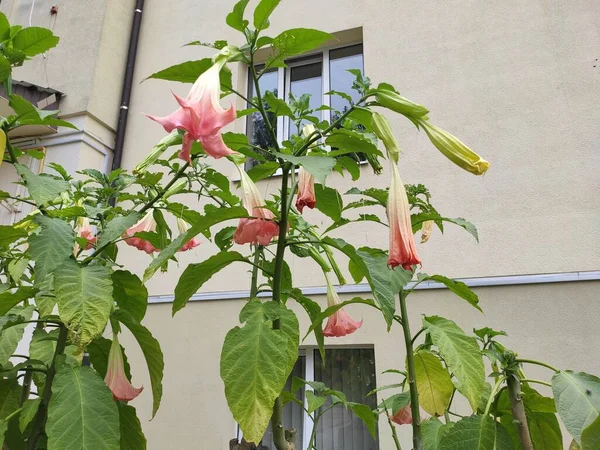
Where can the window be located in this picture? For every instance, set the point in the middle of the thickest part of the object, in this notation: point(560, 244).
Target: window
point(351, 371)
point(315, 74)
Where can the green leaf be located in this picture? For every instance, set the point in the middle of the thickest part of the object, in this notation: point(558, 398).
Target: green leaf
point(313, 310)
point(329, 202)
point(418, 219)
point(10, 337)
point(115, 228)
point(476, 433)
point(367, 416)
point(545, 433)
point(5, 68)
point(99, 350)
point(9, 397)
point(235, 19)
point(430, 429)
point(294, 42)
point(8, 300)
point(461, 354)
point(189, 71)
point(457, 287)
point(152, 353)
point(52, 246)
point(10, 234)
point(346, 141)
point(130, 293)
point(256, 361)
point(195, 275)
point(262, 171)
point(318, 166)
point(313, 401)
point(590, 438)
point(42, 188)
point(34, 40)
point(82, 413)
point(42, 349)
point(4, 27)
point(28, 412)
point(132, 436)
point(350, 165)
point(84, 298)
point(433, 383)
point(199, 225)
point(577, 397)
point(276, 105)
point(262, 12)
point(396, 402)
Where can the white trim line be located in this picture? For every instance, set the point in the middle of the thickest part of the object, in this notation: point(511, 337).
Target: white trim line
point(510, 280)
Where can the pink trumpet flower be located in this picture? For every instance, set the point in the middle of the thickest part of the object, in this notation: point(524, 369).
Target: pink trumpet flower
point(339, 323)
point(201, 116)
point(115, 378)
point(261, 227)
point(146, 224)
point(192, 243)
point(306, 190)
point(403, 251)
point(85, 231)
point(403, 416)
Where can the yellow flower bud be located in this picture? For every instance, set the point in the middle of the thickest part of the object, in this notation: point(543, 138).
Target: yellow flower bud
point(426, 230)
point(382, 129)
point(307, 130)
point(455, 150)
point(390, 99)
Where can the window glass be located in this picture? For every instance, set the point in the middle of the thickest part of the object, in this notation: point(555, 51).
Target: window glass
point(306, 78)
point(258, 133)
point(351, 371)
point(340, 60)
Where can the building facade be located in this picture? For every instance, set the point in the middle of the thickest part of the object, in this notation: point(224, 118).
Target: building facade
point(518, 81)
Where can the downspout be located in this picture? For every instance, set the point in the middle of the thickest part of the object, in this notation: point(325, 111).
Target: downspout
point(127, 83)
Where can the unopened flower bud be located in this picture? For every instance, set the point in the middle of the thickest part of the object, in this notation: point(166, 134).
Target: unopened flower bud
point(307, 130)
point(382, 129)
point(426, 230)
point(177, 187)
point(171, 139)
point(455, 150)
point(390, 99)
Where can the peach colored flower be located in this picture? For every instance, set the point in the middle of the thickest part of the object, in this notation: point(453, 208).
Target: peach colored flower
point(339, 323)
point(403, 416)
point(115, 378)
point(84, 230)
point(192, 243)
point(261, 227)
point(306, 190)
point(201, 116)
point(403, 251)
point(146, 224)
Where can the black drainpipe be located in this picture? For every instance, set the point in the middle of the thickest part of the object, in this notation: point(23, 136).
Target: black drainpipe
point(127, 83)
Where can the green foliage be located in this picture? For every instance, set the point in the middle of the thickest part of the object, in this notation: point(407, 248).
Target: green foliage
point(430, 429)
point(82, 412)
point(262, 13)
point(42, 188)
point(34, 40)
point(52, 246)
point(189, 71)
point(457, 287)
point(130, 293)
point(9, 339)
point(433, 383)
point(256, 361)
point(8, 299)
point(116, 227)
point(294, 42)
point(235, 19)
point(9, 234)
point(262, 171)
point(318, 166)
point(476, 433)
point(132, 436)
point(329, 202)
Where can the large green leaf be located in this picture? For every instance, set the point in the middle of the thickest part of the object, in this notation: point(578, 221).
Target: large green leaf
point(433, 383)
point(195, 275)
point(10, 337)
point(262, 171)
point(28, 412)
point(5, 68)
point(152, 353)
point(10, 234)
point(346, 141)
point(461, 354)
point(116, 227)
point(132, 436)
point(329, 202)
point(544, 431)
point(8, 299)
point(430, 429)
point(42, 348)
point(130, 293)
point(199, 225)
point(82, 413)
point(457, 287)
point(4, 27)
point(319, 166)
point(42, 188)
point(294, 42)
point(52, 246)
point(189, 71)
point(590, 438)
point(9, 396)
point(256, 361)
point(84, 298)
point(262, 13)
point(476, 433)
point(34, 40)
point(235, 19)
point(366, 415)
point(577, 396)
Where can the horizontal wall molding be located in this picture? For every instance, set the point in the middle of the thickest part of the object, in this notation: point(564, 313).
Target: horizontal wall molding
point(510, 280)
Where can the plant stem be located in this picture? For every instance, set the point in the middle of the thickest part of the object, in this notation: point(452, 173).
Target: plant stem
point(495, 390)
point(261, 105)
point(158, 196)
point(518, 411)
point(39, 422)
point(254, 281)
point(527, 380)
point(538, 363)
point(412, 384)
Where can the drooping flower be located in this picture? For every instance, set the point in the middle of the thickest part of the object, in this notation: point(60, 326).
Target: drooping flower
point(115, 378)
point(146, 224)
point(192, 243)
point(201, 116)
point(339, 323)
point(261, 227)
point(403, 416)
point(84, 230)
point(403, 251)
point(306, 190)
point(426, 230)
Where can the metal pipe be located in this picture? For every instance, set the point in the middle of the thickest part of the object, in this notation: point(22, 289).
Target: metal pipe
point(127, 84)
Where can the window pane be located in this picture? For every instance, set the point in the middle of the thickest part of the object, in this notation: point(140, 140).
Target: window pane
point(340, 79)
point(293, 414)
point(306, 79)
point(351, 371)
point(257, 131)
